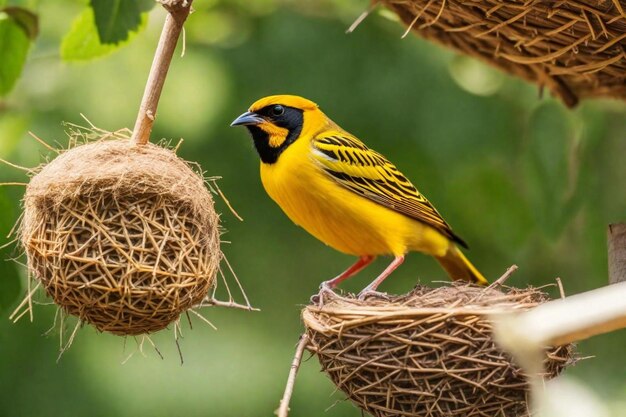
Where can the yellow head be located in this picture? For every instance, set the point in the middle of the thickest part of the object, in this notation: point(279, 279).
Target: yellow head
point(275, 122)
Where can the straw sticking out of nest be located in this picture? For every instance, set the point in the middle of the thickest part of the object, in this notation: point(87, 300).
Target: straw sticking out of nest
point(123, 237)
point(429, 353)
point(576, 49)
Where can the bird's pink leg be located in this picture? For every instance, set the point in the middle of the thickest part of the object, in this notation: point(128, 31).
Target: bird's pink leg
point(374, 284)
point(350, 272)
point(327, 286)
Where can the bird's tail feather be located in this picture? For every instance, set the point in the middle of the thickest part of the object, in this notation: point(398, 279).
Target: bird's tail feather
point(459, 267)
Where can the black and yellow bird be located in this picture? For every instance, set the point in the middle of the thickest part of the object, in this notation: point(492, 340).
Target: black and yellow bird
point(345, 194)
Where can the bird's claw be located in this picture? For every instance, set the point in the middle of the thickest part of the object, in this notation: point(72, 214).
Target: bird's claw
point(372, 293)
point(318, 298)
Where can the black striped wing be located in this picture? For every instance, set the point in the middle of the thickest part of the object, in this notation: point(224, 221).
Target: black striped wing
point(369, 174)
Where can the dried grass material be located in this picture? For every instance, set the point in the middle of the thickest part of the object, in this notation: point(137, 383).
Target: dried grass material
point(429, 353)
point(574, 48)
point(124, 237)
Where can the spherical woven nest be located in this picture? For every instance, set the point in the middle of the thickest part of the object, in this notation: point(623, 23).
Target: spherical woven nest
point(574, 48)
point(123, 237)
point(429, 353)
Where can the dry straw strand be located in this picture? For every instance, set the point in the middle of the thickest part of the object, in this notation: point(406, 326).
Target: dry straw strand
point(575, 48)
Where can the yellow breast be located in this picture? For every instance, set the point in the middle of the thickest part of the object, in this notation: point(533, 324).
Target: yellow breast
point(337, 216)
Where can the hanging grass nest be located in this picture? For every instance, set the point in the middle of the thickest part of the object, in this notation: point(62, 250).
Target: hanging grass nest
point(576, 49)
point(124, 237)
point(429, 353)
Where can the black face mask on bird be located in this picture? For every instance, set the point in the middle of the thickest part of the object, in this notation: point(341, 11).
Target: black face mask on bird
point(273, 128)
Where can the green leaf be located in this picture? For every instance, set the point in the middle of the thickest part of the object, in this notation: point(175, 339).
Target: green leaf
point(14, 46)
point(83, 43)
point(27, 20)
point(115, 19)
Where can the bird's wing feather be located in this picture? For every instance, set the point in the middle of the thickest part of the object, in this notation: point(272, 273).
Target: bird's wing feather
point(367, 173)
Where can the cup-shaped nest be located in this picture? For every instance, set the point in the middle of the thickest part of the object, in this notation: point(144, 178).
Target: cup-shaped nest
point(429, 353)
point(121, 236)
point(573, 48)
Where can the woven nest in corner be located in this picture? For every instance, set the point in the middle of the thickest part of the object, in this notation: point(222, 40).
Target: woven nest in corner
point(574, 48)
point(426, 354)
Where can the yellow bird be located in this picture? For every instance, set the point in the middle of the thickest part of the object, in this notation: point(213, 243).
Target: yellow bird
point(345, 194)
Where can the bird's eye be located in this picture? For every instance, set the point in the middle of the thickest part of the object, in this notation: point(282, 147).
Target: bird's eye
point(278, 110)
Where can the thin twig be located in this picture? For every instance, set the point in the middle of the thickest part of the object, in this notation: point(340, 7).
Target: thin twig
point(202, 317)
point(26, 301)
point(154, 346)
point(241, 290)
point(230, 207)
point(180, 142)
point(283, 409)
point(54, 322)
point(177, 14)
point(188, 320)
point(561, 289)
point(504, 277)
point(209, 302)
point(176, 334)
point(69, 341)
point(361, 17)
point(44, 143)
point(230, 294)
point(15, 166)
point(91, 125)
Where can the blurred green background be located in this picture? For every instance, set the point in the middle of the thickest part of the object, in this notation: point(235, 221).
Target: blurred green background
point(521, 178)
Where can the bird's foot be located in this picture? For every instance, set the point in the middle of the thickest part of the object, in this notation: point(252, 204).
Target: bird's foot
point(363, 295)
point(325, 290)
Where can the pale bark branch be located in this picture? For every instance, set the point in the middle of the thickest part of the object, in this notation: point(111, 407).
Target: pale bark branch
point(616, 238)
point(177, 14)
point(283, 410)
point(568, 320)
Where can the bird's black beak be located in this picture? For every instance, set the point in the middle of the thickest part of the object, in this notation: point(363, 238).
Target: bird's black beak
point(248, 118)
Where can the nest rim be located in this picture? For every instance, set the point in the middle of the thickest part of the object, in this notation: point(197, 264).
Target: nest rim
point(400, 306)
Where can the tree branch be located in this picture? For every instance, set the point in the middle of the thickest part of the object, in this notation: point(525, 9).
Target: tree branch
point(177, 14)
point(283, 410)
point(616, 237)
point(568, 320)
